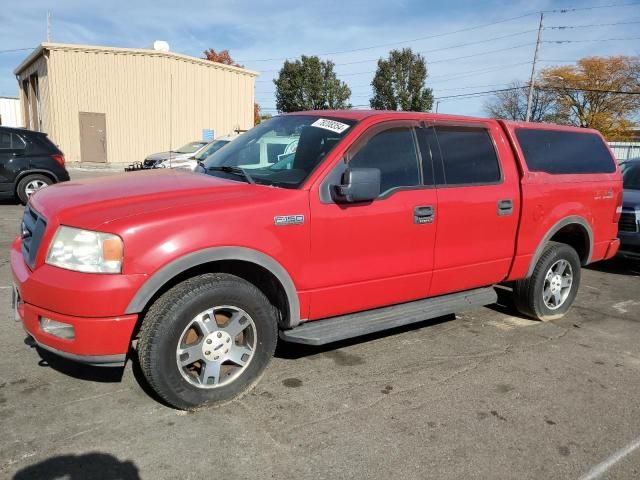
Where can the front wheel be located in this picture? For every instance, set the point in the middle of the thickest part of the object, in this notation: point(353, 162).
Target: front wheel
point(207, 340)
point(552, 287)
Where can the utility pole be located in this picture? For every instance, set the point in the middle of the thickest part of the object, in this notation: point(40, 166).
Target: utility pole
point(533, 69)
point(48, 26)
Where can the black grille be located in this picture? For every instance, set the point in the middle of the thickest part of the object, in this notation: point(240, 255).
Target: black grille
point(628, 222)
point(33, 227)
point(149, 163)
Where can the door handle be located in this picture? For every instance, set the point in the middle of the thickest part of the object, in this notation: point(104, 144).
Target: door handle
point(423, 214)
point(505, 207)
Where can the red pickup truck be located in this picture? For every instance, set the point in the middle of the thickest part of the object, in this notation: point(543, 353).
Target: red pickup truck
point(312, 227)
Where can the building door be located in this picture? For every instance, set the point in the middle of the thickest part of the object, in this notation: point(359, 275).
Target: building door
point(93, 137)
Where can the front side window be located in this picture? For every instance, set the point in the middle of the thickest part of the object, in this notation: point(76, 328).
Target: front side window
point(393, 152)
point(468, 156)
point(282, 151)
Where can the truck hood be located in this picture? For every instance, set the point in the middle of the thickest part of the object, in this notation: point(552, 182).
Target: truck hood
point(631, 199)
point(93, 202)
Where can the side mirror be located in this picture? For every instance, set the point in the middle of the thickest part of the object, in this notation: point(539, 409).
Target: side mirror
point(358, 185)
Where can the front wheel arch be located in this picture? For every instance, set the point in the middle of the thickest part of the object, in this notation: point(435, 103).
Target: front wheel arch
point(236, 260)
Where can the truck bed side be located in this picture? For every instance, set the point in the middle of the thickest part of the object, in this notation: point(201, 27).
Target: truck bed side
point(577, 208)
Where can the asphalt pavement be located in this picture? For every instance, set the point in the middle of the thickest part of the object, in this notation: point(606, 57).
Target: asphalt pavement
point(486, 394)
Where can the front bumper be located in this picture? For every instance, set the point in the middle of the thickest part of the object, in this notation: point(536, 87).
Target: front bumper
point(92, 304)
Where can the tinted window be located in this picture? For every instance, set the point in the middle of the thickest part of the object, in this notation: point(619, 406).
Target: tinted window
point(10, 141)
point(631, 177)
point(468, 155)
point(5, 140)
point(564, 152)
point(393, 152)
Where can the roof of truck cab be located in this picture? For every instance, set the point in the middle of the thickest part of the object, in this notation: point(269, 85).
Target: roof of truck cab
point(362, 114)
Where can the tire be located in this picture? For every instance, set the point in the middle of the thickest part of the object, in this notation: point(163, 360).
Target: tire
point(184, 311)
point(26, 184)
point(547, 298)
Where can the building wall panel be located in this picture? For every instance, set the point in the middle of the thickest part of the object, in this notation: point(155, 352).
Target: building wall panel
point(151, 101)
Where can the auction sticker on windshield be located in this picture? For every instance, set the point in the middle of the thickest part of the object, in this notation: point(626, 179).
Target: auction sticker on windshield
point(334, 126)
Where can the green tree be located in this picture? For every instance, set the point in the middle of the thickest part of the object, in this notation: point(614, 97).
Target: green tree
point(310, 84)
point(399, 83)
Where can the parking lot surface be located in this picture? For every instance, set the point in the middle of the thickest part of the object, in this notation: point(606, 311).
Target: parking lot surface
point(487, 395)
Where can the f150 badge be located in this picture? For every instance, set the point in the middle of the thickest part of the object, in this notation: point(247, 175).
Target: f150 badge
point(288, 220)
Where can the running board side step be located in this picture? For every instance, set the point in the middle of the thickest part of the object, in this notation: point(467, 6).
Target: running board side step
point(320, 332)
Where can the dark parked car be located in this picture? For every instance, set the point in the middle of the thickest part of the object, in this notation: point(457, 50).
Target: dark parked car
point(28, 162)
point(629, 226)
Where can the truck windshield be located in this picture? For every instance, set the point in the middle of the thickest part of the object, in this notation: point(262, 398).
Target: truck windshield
point(631, 177)
point(282, 151)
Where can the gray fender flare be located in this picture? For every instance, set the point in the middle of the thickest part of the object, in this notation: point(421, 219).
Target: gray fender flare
point(184, 263)
point(555, 229)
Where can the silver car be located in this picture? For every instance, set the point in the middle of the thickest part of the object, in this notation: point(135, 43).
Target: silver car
point(186, 151)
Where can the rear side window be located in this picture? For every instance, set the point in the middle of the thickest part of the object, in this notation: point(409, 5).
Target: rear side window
point(394, 153)
point(564, 152)
point(10, 141)
point(468, 156)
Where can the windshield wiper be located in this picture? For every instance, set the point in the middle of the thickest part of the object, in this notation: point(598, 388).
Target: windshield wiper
point(235, 170)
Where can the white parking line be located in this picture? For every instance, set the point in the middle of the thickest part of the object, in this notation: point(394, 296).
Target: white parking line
point(605, 465)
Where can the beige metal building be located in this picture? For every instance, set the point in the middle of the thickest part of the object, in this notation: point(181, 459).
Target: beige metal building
point(117, 105)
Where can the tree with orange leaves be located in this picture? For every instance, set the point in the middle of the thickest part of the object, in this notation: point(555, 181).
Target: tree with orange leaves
point(223, 56)
point(585, 93)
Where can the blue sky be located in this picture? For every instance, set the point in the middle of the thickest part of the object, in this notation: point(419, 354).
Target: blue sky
point(258, 30)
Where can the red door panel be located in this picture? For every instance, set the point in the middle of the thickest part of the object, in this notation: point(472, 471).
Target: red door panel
point(369, 256)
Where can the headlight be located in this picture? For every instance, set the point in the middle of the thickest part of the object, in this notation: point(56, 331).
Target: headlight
point(86, 251)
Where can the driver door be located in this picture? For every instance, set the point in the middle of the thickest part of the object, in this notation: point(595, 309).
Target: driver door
point(378, 253)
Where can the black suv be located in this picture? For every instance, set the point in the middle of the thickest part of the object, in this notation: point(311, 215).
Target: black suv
point(28, 162)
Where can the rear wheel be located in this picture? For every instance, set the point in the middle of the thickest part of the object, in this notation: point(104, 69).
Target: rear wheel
point(207, 340)
point(28, 185)
point(550, 291)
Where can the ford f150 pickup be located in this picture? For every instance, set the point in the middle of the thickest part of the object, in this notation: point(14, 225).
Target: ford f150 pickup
point(313, 227)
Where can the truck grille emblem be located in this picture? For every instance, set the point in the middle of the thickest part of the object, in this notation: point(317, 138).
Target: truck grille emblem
point(288, 219)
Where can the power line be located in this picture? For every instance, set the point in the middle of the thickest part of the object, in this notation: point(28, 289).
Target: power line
point(594, 40)
point(15, 50)
point(497, 22)
point(443, 49)
point(566, 27)
point(594, 7)
point(428, 37)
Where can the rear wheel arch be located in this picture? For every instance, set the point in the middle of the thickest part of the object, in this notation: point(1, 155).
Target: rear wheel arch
point(574, 231)
point(254, 266)
point(36, 171)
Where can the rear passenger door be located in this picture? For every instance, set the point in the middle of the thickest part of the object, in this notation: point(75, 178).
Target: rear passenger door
point(478, 205)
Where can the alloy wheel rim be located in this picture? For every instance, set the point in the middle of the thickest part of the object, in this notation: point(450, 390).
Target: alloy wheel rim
point(216, 347)
point(33, 186)
point(557, 284)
